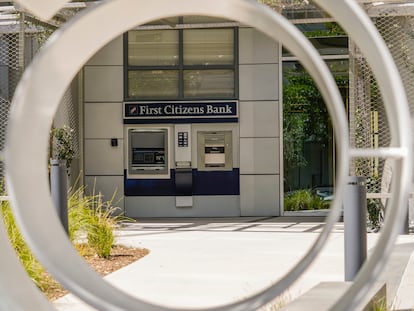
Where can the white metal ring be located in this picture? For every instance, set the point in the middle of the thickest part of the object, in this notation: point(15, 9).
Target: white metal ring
point(37, 98)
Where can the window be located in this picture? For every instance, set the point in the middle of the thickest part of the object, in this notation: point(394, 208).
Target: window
point(181, 64)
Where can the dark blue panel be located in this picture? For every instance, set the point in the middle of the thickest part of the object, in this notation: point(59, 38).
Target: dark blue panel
point(216, 182)
point(149, 187)
point(184, 181)
point(204, 183)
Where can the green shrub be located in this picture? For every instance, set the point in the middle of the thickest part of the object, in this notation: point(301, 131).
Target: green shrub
point(78, 213)
point(374, 209)
point(101, 224)
point(32, 266)
point(88, 216)
point(304, 199)
point(95, 218)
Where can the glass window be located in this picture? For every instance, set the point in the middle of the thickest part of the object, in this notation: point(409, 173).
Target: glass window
point(308, 141)
point(153, 84)
point(327, 38)
point(327, 46)
point(153, 48)
point(215, 83)
point(208, 46)
point(180, 64)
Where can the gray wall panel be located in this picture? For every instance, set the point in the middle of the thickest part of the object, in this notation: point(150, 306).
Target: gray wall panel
point(103, 83)
point(259, 195)
point(103, 120)
point(259, 119)
point(103, 159)
point(256, 47)
point(110, 54)
point(259, 82)
point(259, 156)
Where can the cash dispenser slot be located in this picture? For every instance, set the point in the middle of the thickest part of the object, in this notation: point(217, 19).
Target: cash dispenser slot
point(148, 152)
point(184, 179)
point(215, 151)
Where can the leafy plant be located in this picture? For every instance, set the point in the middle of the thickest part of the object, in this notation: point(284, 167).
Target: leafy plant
point(330, 30)
point(304, 199)
point(374, 207)
point(62, 144)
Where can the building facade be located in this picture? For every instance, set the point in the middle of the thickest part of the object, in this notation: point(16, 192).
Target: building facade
point(185, 122)
point(189, 117)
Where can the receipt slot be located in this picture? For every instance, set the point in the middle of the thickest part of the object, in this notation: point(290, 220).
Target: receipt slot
point(148, 153)
point(215, 152)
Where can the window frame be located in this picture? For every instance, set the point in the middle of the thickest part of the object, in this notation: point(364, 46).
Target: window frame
point(181, 68)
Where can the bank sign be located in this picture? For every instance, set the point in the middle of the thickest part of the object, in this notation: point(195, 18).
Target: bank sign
point(180, 112)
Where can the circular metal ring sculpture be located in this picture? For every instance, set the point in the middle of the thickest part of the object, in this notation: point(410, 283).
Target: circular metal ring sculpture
point(44, 82)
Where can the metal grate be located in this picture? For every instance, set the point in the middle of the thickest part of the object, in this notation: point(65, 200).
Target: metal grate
point(368, 125)
point(18, 45)
point(10, 72)
point(68, 115)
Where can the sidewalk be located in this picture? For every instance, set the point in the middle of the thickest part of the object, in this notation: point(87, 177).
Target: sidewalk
point(198, 263)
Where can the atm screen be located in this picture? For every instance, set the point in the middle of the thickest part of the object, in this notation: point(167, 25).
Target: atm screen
point(147, 157)
point(148, 151)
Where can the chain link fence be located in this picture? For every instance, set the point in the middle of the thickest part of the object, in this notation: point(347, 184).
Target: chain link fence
point(367, 118)
point(20, 40)
point(10, 72)
point(368, 124)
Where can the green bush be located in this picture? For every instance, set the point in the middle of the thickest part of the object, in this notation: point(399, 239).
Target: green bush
point(374, 209)
point(32, 266)
point(78, 213)
point(88, 216)
point(100, 226)
point(95, 218)
point(304, 199)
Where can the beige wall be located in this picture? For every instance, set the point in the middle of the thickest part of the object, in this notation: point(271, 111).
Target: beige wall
point(103, 97)
point(259, 124)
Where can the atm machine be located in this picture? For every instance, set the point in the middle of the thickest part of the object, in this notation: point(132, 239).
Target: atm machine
point(184, 166)
point(214, 151)
point(148, 153)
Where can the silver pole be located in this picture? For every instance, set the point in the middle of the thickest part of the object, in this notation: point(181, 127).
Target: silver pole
point(355, 227)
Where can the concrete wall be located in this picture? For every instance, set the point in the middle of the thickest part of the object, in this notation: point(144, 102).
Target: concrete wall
point(259, 124)
point(103, 97)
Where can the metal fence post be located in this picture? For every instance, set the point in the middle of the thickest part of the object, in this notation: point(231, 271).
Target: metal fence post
point(355, 226)
point(58, 189)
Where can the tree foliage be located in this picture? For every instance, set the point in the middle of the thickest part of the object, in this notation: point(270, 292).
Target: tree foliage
point(305, 116)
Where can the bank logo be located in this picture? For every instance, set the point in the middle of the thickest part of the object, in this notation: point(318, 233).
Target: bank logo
point(137, 111)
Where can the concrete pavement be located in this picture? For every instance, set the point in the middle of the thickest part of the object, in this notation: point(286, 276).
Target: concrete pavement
point(196, 263)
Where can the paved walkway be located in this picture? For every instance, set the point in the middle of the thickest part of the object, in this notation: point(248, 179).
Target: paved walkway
point(195, 263)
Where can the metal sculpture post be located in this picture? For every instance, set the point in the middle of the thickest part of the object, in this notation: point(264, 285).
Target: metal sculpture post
point(58, 189)
point(355, 226)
